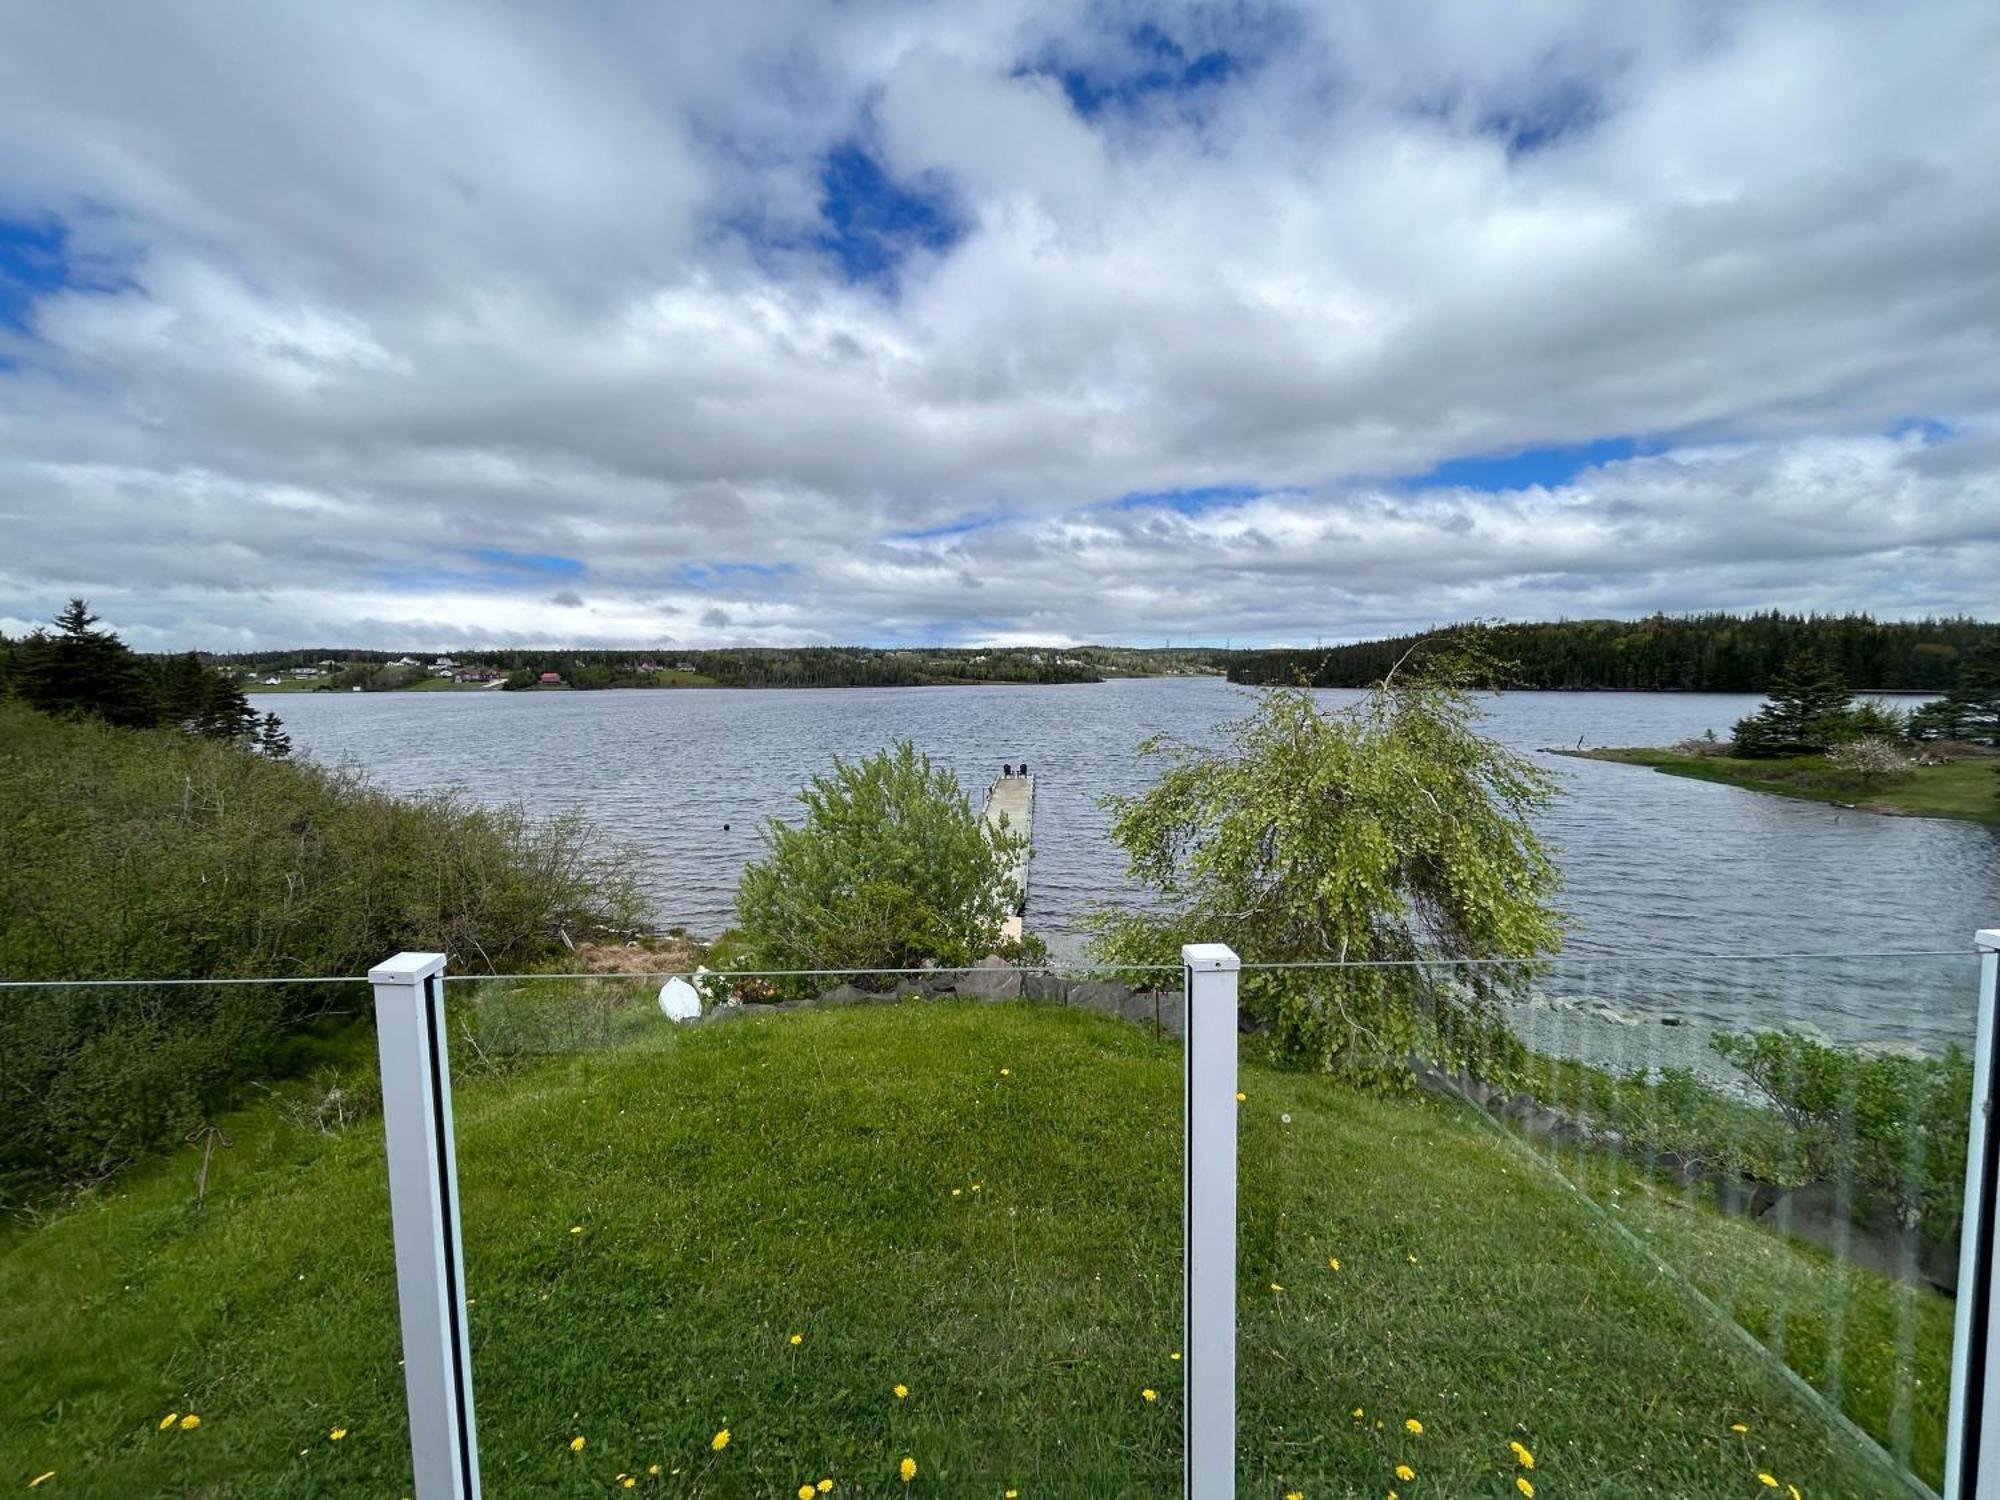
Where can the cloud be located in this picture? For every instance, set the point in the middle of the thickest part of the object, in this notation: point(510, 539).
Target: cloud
point(373, 329)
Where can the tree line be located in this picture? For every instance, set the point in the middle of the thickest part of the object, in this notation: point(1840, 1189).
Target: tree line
point(1703, 653)
point(72, 669)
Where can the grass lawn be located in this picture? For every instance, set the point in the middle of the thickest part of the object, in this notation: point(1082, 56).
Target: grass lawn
point(1967, 789)
point(649, 1227)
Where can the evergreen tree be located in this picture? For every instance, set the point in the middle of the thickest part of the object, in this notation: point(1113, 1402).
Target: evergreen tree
point(78, 670)
point(271, 737)
point(1810, 710)
point(1971, 710)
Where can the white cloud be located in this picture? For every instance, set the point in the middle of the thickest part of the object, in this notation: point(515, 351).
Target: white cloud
point(373, 290)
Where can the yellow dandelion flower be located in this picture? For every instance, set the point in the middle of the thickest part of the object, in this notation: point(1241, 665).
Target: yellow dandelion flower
point(41, 1478)
point(1411, 1259)
point(576, 1229)
point(824, 1485)
point(907, 1470)
point(1241, 1098)
point(1010, 1495)
point(629, 1482)
point(1521, 1483)
point(652, 1471)
point(190, 1422)
point(1737, 1427)
point(576, 1443)
point(336, 1435)
point(169, 1419)
point(1405, 1473)
point(797, 1339)
point(1412, 1426)
point(1359, 1414)
point(902, 1392)
point(1149, 1394)
point(1793, 1491)
point(806, 1492)
point(1522, 1456)
point(956, 1191)
point(720, 1440)
point(1175, 1356)
point(1006, 1072)
point(1333, 1262)
point(1767, 1481)
point(1277, 1286)
point(1294, 1495)
point(975, 1187)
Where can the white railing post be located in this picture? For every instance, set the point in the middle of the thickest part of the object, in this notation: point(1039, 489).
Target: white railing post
point(423, 1209)
point(1209, 1229)
point(1972, 1443)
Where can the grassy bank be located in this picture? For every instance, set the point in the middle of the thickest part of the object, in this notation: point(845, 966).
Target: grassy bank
point(1966, 789)
point(769, 1226)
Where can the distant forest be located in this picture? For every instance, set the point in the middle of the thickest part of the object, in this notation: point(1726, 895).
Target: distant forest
point(1713, 653)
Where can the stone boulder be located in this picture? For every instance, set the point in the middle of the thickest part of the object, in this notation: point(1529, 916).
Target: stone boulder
point(991, 979)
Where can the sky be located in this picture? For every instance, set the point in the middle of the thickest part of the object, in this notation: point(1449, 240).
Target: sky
point(449, 324)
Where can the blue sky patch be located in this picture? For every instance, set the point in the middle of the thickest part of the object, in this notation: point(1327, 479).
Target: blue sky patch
point(1563, 110)
point(1160, 65)
point(1189, 502)
point(1531, 466)
point(544, 564)
point(716, 575)
point(1930, 429)
point(34, 261)
point(873, 221)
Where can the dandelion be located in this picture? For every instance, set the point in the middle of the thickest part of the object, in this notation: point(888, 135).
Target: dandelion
point(336, 1435)
point(41, 1478)
point(1793, 1491)
point(902, 1392)
point(975, 1187)
point(1241, 1098)
point(1006, 1072)
point(720, 1440)
point(1737, 1427)
point(1522, 1456)
point(1405, 1473)
point(629, 1482)
point(806, 1491)
point(824, 1485)
point(1277, 1286)
point(798, 1339)
point(1522, 1484)
point(190, 1422)
point(576, 1443)
point(1412, 1426)
point(1767, 1481)
point(956, 1191)
point(1011, 1495)
point(576, 1229)
point(1411, 1259)
point(652, 1471)
point(1149, 1394)
point(169, 1419)
point(1333, 1262)
point(1294, 1495)
point(1359, 1414)
point(907, 1470)
point(1175, 1356)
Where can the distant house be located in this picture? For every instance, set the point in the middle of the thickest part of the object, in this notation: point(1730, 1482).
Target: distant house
point(550, 679)
point(685, 666)
point(404, 661)
point(272, 682)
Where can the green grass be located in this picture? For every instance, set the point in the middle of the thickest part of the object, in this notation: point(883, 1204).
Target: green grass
point(1967, 789)
point(735, 1185)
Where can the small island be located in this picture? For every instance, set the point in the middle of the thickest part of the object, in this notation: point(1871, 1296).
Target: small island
point(1813, 740)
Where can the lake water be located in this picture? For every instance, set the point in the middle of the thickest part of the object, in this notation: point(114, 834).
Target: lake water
point(1653, 864)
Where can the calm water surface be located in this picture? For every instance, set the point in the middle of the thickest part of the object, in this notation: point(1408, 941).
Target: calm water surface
point(1653, 864)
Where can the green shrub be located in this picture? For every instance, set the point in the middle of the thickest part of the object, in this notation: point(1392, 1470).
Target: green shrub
point(153, 854)
point(891, 869)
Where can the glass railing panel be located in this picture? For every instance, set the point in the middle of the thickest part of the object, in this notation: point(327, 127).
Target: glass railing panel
point(197, 1276)
point(849, 1219)
point(1671, 1222)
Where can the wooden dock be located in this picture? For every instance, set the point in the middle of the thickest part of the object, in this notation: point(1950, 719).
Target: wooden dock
point(1013, 797)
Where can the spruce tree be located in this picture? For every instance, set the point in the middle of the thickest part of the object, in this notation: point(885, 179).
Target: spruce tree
point(79, 670)
point(1810, 709)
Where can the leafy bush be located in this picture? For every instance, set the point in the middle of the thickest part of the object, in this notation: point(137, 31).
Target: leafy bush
point(1893, 1126)
point(148, 853)
point(892, 868)
point(1874, 760)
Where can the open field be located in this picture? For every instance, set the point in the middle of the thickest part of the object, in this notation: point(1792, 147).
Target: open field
point(768, 1226)
point(1967, 789)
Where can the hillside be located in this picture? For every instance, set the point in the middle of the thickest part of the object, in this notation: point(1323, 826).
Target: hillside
point(766, 1227)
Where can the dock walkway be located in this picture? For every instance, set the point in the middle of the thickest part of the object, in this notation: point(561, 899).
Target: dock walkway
point(1014, 798)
